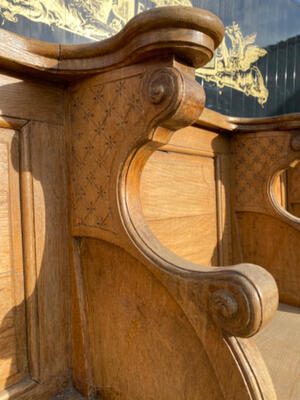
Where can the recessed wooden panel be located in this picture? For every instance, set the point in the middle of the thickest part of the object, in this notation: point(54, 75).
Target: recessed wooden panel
point(13, 363)
point(293, 175)
point(143, 346)
point(177, 185)
point(194, 238)
point(179, 201)
point(51, 247)
point(46, 101)
point(273, 244)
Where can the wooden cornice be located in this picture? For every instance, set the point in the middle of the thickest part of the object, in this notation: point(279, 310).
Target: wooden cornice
point(189, 34)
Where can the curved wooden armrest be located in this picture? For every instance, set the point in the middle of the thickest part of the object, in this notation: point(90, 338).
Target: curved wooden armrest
point(131, 113)
point(241, 299)
point(117, 119)
point(146, 324)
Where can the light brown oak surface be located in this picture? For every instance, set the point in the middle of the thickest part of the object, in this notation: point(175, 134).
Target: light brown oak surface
point(13, 362)
point(279, 345)
point(124, 204)
point(34, 345)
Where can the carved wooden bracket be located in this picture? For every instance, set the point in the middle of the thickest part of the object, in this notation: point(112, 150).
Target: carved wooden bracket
point(117, 120)
point(124, 98)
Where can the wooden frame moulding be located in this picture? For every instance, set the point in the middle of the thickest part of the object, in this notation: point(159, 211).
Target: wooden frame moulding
point(29, 265)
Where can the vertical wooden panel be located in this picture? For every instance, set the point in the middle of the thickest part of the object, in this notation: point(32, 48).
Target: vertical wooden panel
point(143, 347)
point(52, 258)
point(29, 254)
point(179, 202)
point(293, 179)
point(279, 189)
point(13, 358)
point(224, 244)
point(185, 196)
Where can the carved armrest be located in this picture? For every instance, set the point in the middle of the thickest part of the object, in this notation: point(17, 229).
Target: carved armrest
point(125, 98)
point(240, 299)
point(117, 120)
point(143, 92)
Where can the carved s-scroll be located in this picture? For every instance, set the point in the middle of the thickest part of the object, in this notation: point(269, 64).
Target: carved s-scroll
point(240, 298)
point(243, 300)
point(178, 94)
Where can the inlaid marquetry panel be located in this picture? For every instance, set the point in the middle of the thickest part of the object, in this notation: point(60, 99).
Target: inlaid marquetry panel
point(13, 359)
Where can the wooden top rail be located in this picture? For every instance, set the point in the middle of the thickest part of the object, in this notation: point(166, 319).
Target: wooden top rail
point(214, 120)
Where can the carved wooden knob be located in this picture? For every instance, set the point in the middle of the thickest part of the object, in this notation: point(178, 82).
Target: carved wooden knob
point(163, 83)
point(231, 309)
point(157, 93)
point(295, 142)
point(224, 303)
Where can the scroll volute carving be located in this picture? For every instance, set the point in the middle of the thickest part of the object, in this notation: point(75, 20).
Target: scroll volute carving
point(295, 142)
point(185, 96)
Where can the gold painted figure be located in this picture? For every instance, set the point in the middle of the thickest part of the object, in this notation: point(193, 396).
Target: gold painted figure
point(99, 19)
point(93, 19)
point(233, 67)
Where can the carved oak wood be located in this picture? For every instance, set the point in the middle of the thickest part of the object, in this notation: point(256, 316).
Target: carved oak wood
point(135, 201)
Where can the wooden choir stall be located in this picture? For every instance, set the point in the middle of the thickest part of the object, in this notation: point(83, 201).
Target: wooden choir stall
point(146, 241)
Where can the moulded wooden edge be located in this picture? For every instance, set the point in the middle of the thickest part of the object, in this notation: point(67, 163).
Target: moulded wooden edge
point(190, 34)
point(214, 120)
point(278, 122)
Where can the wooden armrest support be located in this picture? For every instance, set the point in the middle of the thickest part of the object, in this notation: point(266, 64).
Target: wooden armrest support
point(146, 324)
point(241, 299)
point(165, 97)
point(117, 120)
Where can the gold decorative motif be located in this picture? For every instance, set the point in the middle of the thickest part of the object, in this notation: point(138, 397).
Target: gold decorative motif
point(93, 19)
point(233, 67)
point(98, 19)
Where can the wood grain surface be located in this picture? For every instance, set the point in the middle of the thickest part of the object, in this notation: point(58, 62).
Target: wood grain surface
point(13, 352)
point(178, 196)
point(279, 345)
point(120, 222)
